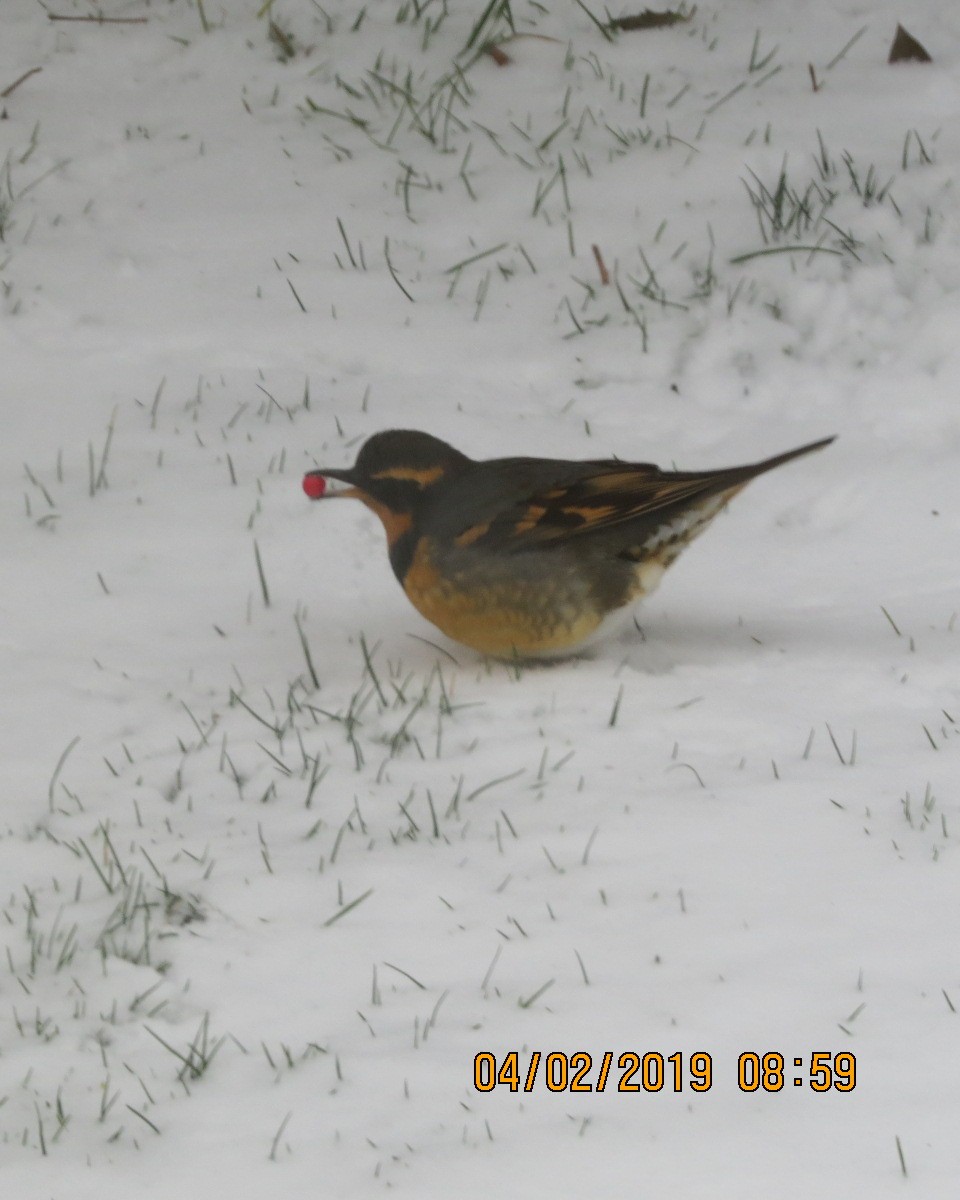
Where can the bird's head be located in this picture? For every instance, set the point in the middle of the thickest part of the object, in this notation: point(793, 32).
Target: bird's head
point(394, 475)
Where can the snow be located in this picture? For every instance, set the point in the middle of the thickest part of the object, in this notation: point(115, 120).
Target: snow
point(256, 926)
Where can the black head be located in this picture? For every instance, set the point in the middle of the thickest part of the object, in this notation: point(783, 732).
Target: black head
point(405, 455)
point(396, 472)
point(397, 468)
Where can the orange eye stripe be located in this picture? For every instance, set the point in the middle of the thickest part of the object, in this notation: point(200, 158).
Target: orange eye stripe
point(422, 476)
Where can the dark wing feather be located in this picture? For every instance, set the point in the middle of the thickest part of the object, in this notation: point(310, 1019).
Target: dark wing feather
point(619, 495)
point(608, 494)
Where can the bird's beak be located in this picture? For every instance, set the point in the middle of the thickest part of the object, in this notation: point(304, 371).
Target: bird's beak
point(324, 484)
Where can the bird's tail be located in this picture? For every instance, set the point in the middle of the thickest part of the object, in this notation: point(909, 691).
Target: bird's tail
point(778, 460)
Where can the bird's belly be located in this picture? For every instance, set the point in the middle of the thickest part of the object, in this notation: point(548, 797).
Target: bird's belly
point(504, 611)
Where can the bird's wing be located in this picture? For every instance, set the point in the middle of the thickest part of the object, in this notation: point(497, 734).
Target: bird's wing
point(613, 496)
point(602, 495)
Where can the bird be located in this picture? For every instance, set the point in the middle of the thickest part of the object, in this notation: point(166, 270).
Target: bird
point(528, 558)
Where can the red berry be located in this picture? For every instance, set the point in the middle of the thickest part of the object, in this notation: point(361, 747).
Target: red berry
point(314, 485)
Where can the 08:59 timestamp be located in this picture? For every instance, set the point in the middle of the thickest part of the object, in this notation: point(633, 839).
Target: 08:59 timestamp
point(653, 1071)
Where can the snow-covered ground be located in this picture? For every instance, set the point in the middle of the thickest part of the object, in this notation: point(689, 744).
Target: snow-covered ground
point(276, 861)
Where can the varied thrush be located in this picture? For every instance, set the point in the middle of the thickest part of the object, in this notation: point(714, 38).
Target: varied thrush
point(527, 557)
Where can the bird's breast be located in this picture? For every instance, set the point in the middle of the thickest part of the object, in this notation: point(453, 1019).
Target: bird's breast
point(531, 606)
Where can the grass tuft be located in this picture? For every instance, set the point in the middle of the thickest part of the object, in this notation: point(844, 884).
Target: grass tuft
point(342, 912)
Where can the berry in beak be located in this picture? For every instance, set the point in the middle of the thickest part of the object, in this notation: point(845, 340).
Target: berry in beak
point(314, 484)
point(325, 484)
